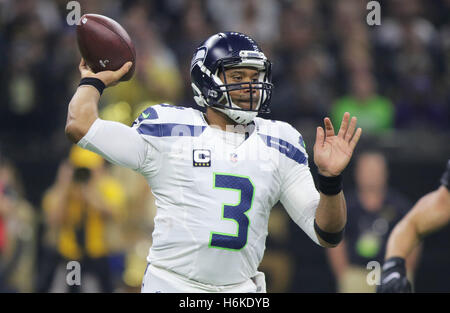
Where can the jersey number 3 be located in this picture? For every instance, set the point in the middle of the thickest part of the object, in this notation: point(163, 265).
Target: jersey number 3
point(234, 212)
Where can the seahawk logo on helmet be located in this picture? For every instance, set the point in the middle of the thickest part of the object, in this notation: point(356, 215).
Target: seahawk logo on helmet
point(223, 51)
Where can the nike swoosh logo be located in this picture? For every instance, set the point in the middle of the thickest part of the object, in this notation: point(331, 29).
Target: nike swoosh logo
point(145, 115)
point(390, 277)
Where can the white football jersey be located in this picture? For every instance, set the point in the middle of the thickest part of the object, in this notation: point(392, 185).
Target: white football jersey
point(214, 189)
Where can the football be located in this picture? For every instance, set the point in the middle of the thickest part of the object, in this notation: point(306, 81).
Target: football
point(104, 44)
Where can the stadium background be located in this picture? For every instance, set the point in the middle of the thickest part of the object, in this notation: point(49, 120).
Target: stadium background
point(324, 57)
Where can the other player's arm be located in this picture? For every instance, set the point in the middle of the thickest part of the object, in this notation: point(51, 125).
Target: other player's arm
point(83, 108)
point(332, 153)
point(429, 214)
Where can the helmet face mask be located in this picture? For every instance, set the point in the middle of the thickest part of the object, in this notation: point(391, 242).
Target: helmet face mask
point(220, 53)
point(262, 88)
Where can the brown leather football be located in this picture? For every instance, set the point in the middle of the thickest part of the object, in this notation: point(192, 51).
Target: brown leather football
point(104, 44)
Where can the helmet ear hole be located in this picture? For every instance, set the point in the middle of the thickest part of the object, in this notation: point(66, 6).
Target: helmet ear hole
point(198, 97)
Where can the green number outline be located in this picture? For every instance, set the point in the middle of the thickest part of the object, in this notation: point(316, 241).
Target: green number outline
point(232, 219)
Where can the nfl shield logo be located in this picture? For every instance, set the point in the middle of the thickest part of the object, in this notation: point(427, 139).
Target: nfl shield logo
point(233, 157)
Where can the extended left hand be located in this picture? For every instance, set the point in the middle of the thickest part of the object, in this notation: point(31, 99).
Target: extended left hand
point(332, 153)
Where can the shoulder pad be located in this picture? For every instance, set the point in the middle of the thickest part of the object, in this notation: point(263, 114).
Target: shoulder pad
point(167, 113)
point(282, 136)
point(281, 130)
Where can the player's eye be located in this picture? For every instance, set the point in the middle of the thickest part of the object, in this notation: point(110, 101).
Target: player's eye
point(236, 77)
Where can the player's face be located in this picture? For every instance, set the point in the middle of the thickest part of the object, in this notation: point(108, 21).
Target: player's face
point(245, 76)
point(371, 171)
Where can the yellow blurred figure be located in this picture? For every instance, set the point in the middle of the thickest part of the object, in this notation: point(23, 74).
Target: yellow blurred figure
point(79, 207)
point(135, 226)
point(80, 157)
point(18, 229)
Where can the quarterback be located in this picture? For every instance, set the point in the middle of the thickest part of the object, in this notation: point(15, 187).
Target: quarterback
point(216, 174)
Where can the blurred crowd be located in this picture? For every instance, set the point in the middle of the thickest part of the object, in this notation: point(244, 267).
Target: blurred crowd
point(59, 203)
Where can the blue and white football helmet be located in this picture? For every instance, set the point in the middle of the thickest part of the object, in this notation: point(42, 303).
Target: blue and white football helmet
point(229, 50)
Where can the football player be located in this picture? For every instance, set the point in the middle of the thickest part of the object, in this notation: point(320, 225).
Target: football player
point(216, 175)
point(429, 214)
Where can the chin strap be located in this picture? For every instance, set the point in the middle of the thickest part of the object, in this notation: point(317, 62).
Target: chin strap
point(240, 117)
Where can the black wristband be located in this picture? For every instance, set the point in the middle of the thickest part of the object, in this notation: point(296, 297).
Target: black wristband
point(333, 238)
point(330, 185)
point(97, 83)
